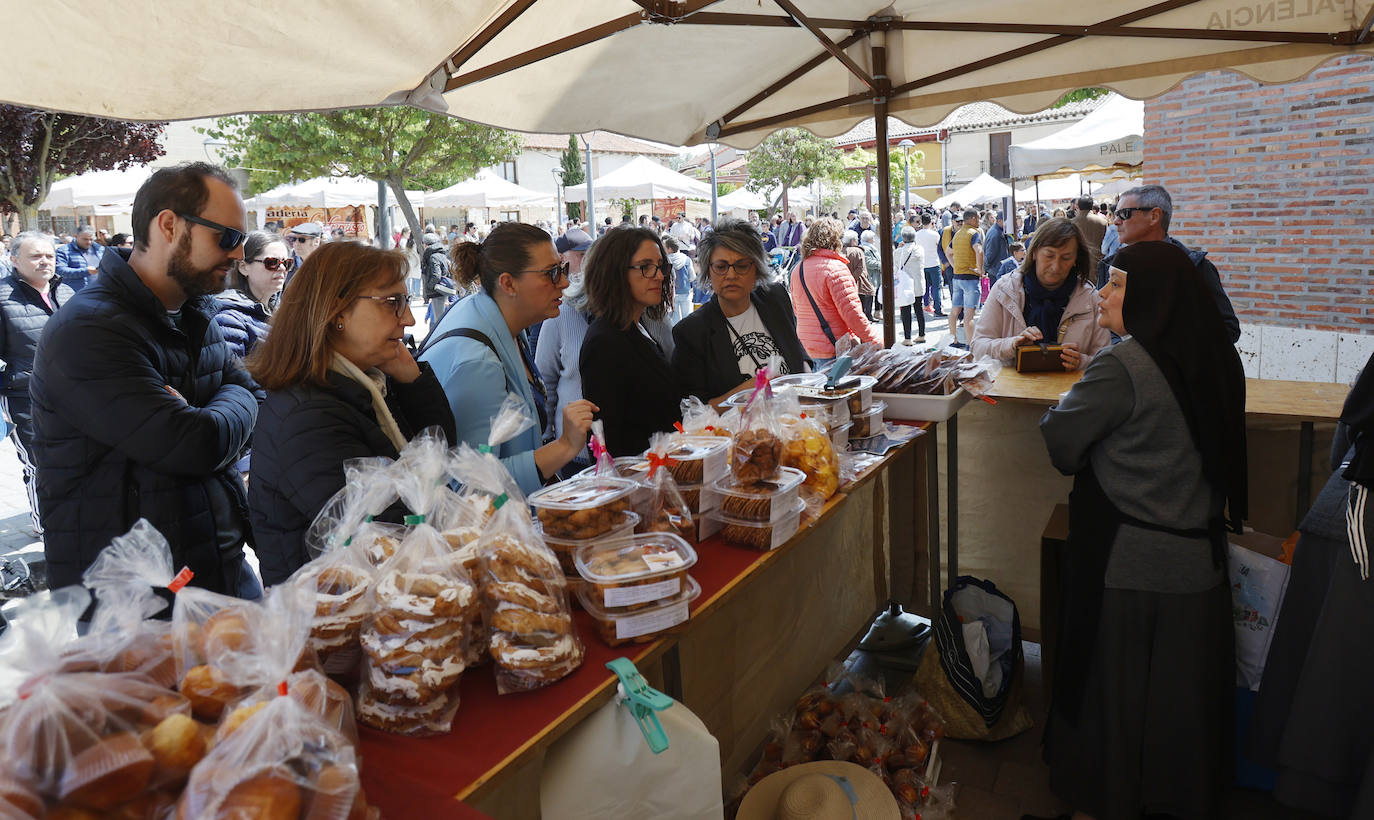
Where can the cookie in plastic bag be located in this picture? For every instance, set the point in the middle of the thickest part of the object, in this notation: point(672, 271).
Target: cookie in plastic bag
point(756, 453)
point(338, 585)
point(665, 510)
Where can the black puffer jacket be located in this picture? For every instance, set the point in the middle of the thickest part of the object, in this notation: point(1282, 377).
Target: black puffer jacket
point(23, 313)
point(113, 444)
point(304, 435)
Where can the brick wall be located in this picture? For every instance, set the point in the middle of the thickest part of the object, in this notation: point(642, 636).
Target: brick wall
point(1277, 183)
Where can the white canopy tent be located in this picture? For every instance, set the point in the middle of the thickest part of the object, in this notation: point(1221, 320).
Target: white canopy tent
point(1053, 189)
point(1110, 138)
point(102, 193)
point(982, 188)
point(855, 191)
point(327, 192)
point(1117, 187)
point(485, 190)
point(641, 178)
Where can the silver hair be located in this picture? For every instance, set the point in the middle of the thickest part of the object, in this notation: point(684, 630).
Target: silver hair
point(17, 243)
point(850, 238)
point(85, 229)
point(908, 234)
point(1154, 196)
point(868, 238)
point(737, 236)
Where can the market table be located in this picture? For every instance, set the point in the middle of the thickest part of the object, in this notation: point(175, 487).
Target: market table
point(494, 737)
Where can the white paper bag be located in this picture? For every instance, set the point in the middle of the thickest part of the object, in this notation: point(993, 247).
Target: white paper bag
point(1257, 586)
point(604, 768)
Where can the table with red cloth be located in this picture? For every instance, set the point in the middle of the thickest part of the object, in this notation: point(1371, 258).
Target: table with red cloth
point(493, 735)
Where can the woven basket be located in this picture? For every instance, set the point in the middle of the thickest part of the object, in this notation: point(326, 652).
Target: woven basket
point(962, 721)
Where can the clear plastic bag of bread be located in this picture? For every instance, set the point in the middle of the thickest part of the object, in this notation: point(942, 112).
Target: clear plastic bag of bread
point(807, 447)
point(82, 741)
point(369, 489)
point(281, 761)
point(524, 592)
point(665, 510)
point(421, 471)
point(210, 632)
point(415, 640)
point(756, 451)
point(338, 590)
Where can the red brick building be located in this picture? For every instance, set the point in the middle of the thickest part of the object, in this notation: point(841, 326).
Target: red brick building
point(1276, 182)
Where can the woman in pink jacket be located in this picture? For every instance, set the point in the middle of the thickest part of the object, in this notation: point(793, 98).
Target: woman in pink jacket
point(1050, 298)
point(825, 296)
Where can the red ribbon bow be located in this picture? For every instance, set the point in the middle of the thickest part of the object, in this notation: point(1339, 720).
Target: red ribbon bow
point(655, 461)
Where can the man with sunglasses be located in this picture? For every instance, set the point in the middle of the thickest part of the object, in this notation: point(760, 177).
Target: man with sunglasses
point(139, 409)
point(303, 239)
point(1143, 215)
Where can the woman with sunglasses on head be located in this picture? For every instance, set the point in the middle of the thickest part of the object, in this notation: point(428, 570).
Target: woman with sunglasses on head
point(480, 352)
point(254, 286)
point(748, 318)
point(625, 370)
point(340, 385)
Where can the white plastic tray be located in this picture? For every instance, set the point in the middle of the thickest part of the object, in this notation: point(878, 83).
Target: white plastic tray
point(912, 407)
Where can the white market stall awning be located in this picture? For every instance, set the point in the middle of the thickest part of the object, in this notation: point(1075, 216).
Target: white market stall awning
point(758, 201)
point(855, 190)
point(1052, 190)
point(1116, 187)
point(327, 192)
point(982, 189)
point(485, 190)
point(1110, 138)
point(103, 192)
point(641, 178)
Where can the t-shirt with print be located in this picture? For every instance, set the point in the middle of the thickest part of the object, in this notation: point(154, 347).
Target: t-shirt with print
point(753, 344)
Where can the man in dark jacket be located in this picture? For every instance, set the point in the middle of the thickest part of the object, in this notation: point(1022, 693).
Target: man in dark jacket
point(436, 282)
point(79, 259)
point(139, 409)
point(1143, 215)
point(27, 300)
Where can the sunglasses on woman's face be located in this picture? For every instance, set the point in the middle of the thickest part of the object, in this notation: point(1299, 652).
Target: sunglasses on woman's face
point(273, 263)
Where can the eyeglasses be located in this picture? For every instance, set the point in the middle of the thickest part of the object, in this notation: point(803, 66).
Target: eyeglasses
point(740, 266)
point(272, 263)
point(1126, 213)
point(398, 302)
point(229, 238)
point(647, 269)
point(554, 272)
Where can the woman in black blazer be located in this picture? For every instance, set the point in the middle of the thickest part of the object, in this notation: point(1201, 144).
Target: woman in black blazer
point(720, 347)
point(625, 373)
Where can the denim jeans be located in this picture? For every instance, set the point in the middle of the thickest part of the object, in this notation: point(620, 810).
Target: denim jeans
point(933, 288)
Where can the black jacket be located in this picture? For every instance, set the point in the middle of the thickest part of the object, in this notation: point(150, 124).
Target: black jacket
point(23, 314)
point(303, 437)
point(626, 376)
point(1210, 277)
point(704, 355)
point(114, 444)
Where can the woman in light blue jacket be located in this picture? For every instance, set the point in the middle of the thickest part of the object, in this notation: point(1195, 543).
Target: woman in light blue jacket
point(480, 353)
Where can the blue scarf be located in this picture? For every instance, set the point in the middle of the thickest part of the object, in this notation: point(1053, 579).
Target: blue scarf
point(1044, 307)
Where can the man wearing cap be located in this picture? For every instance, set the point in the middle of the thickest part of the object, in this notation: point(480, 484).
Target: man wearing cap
point(303, 239)
point(1143, 215)
point(78, 260)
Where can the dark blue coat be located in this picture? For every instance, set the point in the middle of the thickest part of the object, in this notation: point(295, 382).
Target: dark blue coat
point(23, 314)
point(71, 263)
point(113, 443)
point(242, 320)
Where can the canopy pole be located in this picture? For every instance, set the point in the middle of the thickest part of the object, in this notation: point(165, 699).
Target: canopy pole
point(591, 194)
point(383, 222)
point(1037, 200)
point(715, 207)
point(1011, 215)
point(884, 215)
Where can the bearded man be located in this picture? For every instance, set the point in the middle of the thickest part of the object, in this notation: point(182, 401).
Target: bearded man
point(139, 409)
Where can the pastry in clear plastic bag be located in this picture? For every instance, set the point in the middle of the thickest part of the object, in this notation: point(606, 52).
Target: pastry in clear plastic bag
point(807, 447)
point(665, 510)
point(339, 585)
point(756, 451)
point(415, 639)
point(369, 489)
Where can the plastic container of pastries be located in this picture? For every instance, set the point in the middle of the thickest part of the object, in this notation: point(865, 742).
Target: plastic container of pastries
point(798, 380)
point(630, 573)
point(814, 401)
point(758, 535)
point(583, 507)
point(839, 436)
point(868, 423)
point(698, 459)
point(769, 500)
point(635, 468)
point(859, 395)
point(565, 548)
point(643, 625)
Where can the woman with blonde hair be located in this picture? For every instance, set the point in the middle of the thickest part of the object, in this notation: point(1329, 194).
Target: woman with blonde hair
point(340, 385)
point(825, 296)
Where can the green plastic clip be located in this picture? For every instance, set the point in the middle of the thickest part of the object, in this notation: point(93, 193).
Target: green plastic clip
point(499, 501)
point(414, 520)
point(484, 448)
point(643, 700)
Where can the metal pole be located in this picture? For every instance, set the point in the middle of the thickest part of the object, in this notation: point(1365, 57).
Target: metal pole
point(715, 207)
point(906, 180)
point(383, 220)
point(591, 194)
point(884, 185)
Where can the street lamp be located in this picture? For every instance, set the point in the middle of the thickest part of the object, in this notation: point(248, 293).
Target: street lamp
point(906, 146)
point(558, 195)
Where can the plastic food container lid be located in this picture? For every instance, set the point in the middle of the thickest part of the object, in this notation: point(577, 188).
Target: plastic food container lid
point(635, 468)
point(662, 615)
point(583, 493)
point(878, 408)
point(640, 557)
point(797, 509)
point(788, 480)
point(629, 521)
point(799, 380)
point(695, 448)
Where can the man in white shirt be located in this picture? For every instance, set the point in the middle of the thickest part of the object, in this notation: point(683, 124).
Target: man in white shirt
point(685, 235)
point(929, 241)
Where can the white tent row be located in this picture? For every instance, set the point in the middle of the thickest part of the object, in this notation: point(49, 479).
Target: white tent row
point(641, 178)
point(485, 190)
point(327, 192)
point(983, 188)
point(1110, 138)
point(103, 193)
point(757, 201)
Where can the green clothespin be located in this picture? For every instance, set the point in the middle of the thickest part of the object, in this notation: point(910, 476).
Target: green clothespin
point(643, 701)
point(414, 520)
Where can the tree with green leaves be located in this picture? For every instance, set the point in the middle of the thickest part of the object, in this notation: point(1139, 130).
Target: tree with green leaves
point(39, 147)
point(791, 157)
point(397, 145)
point(855, 161)
point(1078, 95)
point(573, 173)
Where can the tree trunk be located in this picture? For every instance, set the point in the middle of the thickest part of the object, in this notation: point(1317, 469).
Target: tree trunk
point(398, 191)
point(28, 218)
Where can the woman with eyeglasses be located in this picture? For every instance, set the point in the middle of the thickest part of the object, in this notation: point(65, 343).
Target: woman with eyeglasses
point(625, 370)
point(340, 385)
point(480, 351)
point(255, 283)
point(748, 319)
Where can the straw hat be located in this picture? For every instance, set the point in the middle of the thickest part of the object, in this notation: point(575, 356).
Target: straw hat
point(824, 790)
